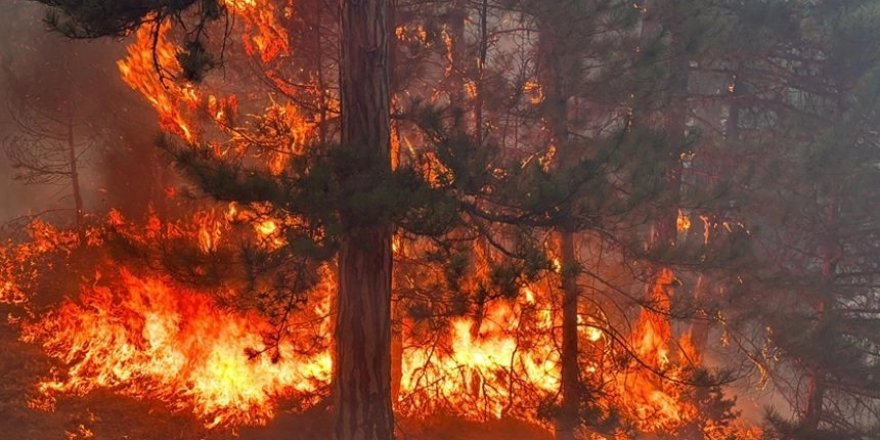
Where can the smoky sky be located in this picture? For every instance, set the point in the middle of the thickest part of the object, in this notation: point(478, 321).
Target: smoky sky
point(111, 122)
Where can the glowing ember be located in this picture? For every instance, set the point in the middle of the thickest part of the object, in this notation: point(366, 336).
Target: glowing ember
point(683, 222)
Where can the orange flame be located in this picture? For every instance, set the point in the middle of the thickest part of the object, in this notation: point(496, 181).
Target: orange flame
point(653, 400)
point(173, 102)
point(151, 339)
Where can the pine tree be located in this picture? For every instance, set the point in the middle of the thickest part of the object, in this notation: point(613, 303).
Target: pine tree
point(809, 210)
point(363, 323)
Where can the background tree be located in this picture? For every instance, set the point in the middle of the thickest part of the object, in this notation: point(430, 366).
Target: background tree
point(814, 228)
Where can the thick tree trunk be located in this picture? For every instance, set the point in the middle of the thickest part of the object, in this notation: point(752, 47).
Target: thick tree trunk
point(362, 373)
point(362, 380)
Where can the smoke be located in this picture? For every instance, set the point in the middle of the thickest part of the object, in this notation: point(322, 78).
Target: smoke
point(43, 75)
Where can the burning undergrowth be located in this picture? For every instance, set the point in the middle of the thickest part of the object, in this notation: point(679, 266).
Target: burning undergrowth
point(150, 338)
point(195, 348)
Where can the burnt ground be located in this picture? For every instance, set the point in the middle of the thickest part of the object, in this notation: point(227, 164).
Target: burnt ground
point(112, 417)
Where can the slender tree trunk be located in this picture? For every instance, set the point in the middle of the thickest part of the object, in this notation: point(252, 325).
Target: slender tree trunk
point(659, 26)
point(481, 71)
point(674, 127)
point(396, 142)
point(362, 373)
point(674, 131)
point(74, 180)
point(396, 325)
point(323, 103)
point(815, 400)
point(568, 420)
point(817, 387)
point(699, 331)
point(551, 68)
point(456, 19)
point(396, 351)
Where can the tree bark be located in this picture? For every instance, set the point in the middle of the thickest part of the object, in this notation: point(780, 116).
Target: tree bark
point(568, 420)
point(817, 386)
point(456, 68)
point(481, 71)
point(551, 68)
point(362, 373)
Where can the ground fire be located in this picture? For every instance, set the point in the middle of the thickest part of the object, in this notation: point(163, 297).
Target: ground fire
point(367, 220)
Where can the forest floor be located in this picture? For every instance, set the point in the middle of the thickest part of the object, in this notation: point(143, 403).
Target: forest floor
point(111, 417)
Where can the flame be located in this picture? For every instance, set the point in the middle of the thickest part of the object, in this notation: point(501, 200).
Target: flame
point(173, 102)
point(653, 400)
point(210, 232)
point(20, 264)
point(147, 337)
point(264, 35)
point(535, 91)
point(266, 228)
point(481, 370)
point(151, 339)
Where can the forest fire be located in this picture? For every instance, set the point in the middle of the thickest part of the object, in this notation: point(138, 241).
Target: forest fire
point(146, 337)
point(596, 220)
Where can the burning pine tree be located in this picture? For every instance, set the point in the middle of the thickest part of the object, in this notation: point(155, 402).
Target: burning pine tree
point(550, 212)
